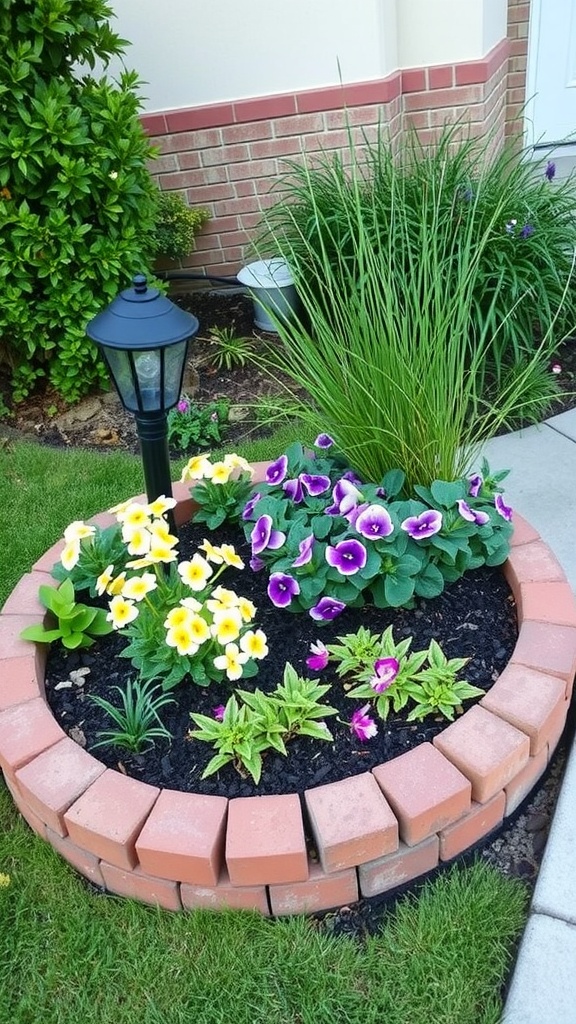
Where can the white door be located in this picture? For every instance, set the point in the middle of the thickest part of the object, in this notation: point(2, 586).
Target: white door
point(551, 77)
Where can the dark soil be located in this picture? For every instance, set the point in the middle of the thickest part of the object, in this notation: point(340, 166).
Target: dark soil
point(474, 618)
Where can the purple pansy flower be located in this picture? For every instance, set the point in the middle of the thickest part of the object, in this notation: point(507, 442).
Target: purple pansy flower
point(323, 441)
point(256, 564)
point(249, 506)
point(353, 514)
point(282, 588)
point(363, 727)
point(315, 484)
point(183, 405)
point(263, 536)
point(475, 481)
point(503, 510)
point(386, 670)
point(219, 712)
point(293, 489)
point(345, 496)
point(305, 548)
point(550, 171)
point(350, 475)
point(328, 608)
point(319, 657)
point(527, 231)
point(472, 515)
point(425, 525)
point(277, 470)
point(348, 557)
point(374, 522)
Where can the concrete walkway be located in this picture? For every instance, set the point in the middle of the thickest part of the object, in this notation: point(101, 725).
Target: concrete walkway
point(542, 487)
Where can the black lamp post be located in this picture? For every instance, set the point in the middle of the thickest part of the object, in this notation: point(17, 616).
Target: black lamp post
point(144, 339)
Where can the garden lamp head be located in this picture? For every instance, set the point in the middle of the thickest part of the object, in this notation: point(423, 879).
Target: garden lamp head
point(144, 339)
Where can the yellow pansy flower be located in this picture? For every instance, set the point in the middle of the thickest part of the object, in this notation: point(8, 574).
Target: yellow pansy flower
point(237, 462)
point(219, 473)
point(196, 468)
point(161, 531)
point(136, 588)
point(104, 580)
point(226, 626)
point(192, 603)
point(78, 530)
point(227, 598)
point(115, 586)
point(135, 515)
point(161, 505)
point(121, 612)
point(140, 563)
point(253, 643)
point(212, 553)
point(230, 557)
point(119, 509)
point(161, 552)
point(70, 554)
point(196, 572)
point(139, 541)
point(231, 661)
point(246, 608)
point(179, 616)
point(200, 629)
point(181, 638)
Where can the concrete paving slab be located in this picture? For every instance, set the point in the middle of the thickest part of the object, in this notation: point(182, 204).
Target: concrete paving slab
point(543, 987)
point(564, 423)
point(555, 892)
point(542, 486)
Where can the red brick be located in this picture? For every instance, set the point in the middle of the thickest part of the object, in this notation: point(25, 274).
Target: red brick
point(275, 148)
point(85, 863)
point(31, 819)
point(11, 646)
point(221, 224)
point(183, 838)
point(247, 132)
point(547, 648)
point(318, 143)
point(47, 561)
point(480, 820)
point(547, 602)
point(55, 779)
point(20, 681)
point(558, 729)
point(25, 731)
point(533, 562)
point(351, 822)
point(139, 886)
point(224, 155)
point(462, 96)
point(265, 841)
point(357, 117)
point(153, 124)
point(320, 892)
point(102, 520)
point(302, 124)
point(201, 175)
point(246, 897)
point(107, 819)
point(414, 81)
point(210, 116)
point(397, 868)
point(426, 792)
point(520, 786)
point(24, 598)
point(264, 108)
point(253, 169)
point(441, 77)
point(528, 700)
point(486, 749)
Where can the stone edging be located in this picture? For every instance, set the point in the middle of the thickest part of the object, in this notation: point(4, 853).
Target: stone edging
point(373, 831)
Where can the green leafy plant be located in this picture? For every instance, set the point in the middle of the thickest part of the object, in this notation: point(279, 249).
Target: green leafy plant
point(77, 623)
point(230, 350)
point(191, 425)
point(437, 690)
point(175, 225)
point(238, 738)
point(389, 693)
point(221, 488)
point(76, 197)
point(299, 707)
point(355, 651)
point(406, 298)
point(137, 718)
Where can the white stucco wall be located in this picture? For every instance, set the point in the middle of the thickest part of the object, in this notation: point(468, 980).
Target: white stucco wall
point(191, 53)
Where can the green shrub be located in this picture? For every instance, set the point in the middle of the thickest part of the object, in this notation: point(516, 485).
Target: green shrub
point(76, 199)
point(176, 225)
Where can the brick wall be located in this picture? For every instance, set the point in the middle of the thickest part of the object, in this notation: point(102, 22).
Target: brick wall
point(518, 20)
point(226, 157)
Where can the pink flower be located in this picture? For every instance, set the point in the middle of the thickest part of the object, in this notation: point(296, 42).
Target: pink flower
point(319, 657)
point(219, 712)
point(363, 727)
point(183, 405)
point(386, 670)
point(556, 368)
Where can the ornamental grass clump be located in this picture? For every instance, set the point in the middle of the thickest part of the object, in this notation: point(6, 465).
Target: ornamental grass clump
point(421, 309)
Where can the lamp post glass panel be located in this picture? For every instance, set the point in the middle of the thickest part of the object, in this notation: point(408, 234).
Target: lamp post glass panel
point(144, 339)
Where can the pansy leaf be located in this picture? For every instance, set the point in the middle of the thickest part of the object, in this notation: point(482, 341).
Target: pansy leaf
point(430, 583)
point(321, 526)
point(447, 494)
point(398, 590)
point(393, 482)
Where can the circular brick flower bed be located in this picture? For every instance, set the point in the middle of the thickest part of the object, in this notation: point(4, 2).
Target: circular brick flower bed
point(372, 832)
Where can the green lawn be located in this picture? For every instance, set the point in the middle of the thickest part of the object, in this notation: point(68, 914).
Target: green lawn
point(71, 956)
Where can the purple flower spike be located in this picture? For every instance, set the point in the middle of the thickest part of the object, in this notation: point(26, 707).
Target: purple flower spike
point(319, 657)
point(293, 488)
point(328, 608)
point(503, 510)
point(471, 515)
point(256, 564)
point(475, 481)
point(277, 470)
point(249, 506)
point(374, 522)
point(305, 548)
point(263, 536)
point(527, 231)
point(550, 171)
point(323, 441)
point(348, 557)
point(315, 485)
point(363, 727)
point(282, 588)
point(219, 712)
point(386, 670)
point(423, 526)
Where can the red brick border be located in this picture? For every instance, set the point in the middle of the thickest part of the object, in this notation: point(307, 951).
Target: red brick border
point(372, 831)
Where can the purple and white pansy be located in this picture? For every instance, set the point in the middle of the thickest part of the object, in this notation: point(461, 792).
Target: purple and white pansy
point(293, 489)
point(385, 672)
point(318, 659)
point(363, 727)
point(374, 522)
point(326, 609)
point(249, 506)
point(475, 484)
point(472, 515)
point(315, 484)
point(348, 557)
point(263, 536)
point(282, 588)
point(423, 526)
point(502, 509)
point(324, 441)
point(305, 548)
point(277, 470)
